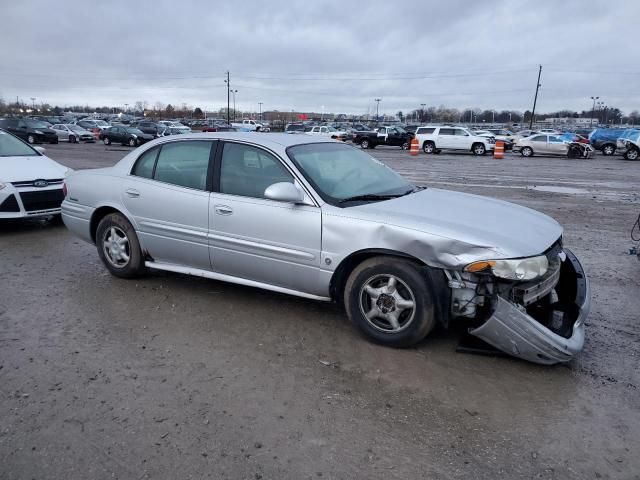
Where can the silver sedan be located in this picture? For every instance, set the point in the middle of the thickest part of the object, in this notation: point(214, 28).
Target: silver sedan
point(72, 133)
point(322, 220)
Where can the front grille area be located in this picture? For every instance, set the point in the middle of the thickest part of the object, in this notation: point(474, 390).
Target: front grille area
point(42, 200)
point(533, 291)
point(10, 204)
point(30, 183)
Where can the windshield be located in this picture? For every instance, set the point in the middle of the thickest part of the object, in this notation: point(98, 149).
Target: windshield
point(36, 124)
point(10, 146)
point(340, 171)
point(101, 123)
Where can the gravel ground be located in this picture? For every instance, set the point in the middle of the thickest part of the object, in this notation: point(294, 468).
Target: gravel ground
point(172, 376)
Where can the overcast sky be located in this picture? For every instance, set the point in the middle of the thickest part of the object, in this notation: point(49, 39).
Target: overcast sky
point(335, 56)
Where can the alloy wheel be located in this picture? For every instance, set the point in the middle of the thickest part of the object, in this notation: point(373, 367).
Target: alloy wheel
point(115, 245)
point(387, 303)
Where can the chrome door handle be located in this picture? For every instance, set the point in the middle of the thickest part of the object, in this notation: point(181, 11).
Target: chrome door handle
point(132, 193)
point(223, 210)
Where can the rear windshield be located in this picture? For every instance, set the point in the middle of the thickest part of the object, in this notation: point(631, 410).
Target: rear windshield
point(11, 146)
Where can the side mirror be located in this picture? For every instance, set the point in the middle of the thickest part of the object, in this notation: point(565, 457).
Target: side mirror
point(284, 192)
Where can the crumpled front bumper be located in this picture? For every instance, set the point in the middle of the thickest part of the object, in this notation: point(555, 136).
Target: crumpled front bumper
point(513, 331)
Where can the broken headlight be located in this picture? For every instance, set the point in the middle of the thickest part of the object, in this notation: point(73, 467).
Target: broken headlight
point(513, 269)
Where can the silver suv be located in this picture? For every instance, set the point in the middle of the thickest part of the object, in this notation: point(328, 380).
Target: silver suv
point(433, 139)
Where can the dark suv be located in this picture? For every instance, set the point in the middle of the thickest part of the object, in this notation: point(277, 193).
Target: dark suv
point(147, 126)
point(124, 135)
point(33, 131)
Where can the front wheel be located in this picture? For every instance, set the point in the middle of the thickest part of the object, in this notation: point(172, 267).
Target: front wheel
point(608, 150)
point(107, 141)
point(132, 142)
point(632, 154)
point(118, 246)
point(31, 139)
point(405, 146)
point(429, 147)
point(526, 152)
point(479, 149)
point(72, 139)
point(388, 299)
point(365, 144)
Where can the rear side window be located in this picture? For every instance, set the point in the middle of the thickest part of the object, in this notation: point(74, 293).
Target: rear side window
point(539, 138)
point(425, 130)
point(146, 162)
point(447, 131)
point(184, 164)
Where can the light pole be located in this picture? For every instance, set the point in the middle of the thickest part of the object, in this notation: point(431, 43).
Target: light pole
point(228, 82)
point(260, 106)
point(593, 109)
point(126, 108)
point(377, 108)
point(422, 112)
point(33, 103)
point(234, 104)
point(599, 106)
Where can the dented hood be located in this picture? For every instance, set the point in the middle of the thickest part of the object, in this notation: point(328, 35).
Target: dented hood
point(465, 221)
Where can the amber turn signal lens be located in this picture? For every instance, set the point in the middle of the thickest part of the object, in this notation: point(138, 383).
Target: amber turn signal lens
point(479, 266)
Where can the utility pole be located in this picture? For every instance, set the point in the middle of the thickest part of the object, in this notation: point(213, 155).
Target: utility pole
point(377, 108)
point(535, 99)
point(260, 105)
point(228, 98)
point(33, 103)
point(234, 104)
point(593, 110)
point(422, 112)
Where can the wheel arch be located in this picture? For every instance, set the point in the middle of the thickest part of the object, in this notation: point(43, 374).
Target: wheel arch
point(101, 212)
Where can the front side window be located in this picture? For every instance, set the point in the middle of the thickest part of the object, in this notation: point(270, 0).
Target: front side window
point(248, 171)
point(184, 164)
point(423, 130)
point(447, 131)
point(144, 165)
point(460, 132)
point(338, 172)
point(10, 146)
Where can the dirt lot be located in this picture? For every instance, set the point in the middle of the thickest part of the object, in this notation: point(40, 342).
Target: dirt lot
point(178, 377)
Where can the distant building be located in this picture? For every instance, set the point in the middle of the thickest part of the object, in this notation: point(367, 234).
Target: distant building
point(578, 122)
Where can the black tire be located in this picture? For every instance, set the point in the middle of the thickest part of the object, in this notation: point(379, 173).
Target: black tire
point(478, 149)
point(405, 146)
point(72, 139)
point(31, 139)
point(130, 268)
point(365, 143)
point(106, 141)
point(632, 154)
point(133, 142)
point(429, 147)
point(411, 283)
point(526, 152)
point(608, 149)
point(54, 142)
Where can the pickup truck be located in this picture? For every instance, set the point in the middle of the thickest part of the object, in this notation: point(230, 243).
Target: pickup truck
point(328, 132)
point(393, 136)
point(249, 125)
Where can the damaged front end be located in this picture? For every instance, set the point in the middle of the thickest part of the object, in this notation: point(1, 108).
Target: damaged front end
point(540, 320)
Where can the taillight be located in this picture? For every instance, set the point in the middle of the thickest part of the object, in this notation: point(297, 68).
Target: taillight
point(64, 189)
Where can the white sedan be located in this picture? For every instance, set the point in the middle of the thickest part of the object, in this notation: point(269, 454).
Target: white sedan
point(30, 182)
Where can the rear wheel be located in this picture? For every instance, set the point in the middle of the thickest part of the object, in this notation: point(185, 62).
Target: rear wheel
point(405, 146)
point(31, 139)
point(632, 154)
point(118, 246)
point(72, 139)
point(429, 147)
point(133, 142)
point(365, 144)
point(526, 152)
point(608, 149)
point(389, 300)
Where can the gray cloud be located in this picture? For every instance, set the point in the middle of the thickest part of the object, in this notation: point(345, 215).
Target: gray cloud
point(309, 55)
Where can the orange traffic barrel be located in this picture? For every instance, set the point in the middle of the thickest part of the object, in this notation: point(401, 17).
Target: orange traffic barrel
point(498, 152)
point(96, 133)
point(414, 150)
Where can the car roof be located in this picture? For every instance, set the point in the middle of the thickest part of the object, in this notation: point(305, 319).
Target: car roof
point(266, 139)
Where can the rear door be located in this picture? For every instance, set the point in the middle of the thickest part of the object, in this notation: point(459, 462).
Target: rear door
point(255, 238)
point(556, 146)
point(167, 194)
point(446, 139)
point(539, 144)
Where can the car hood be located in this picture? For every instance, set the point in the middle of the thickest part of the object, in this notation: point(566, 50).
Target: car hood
point(17, 169)
point(482, 223)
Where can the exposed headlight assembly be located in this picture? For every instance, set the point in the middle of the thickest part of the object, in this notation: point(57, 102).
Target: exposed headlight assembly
point(515, 269)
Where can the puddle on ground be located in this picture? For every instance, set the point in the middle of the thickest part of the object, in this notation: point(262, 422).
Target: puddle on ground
point(557, 189)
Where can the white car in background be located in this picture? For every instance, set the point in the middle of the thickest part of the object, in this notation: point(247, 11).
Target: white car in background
point(330, 132)
point(175, 126)
point(433, 139)
point(31, 184)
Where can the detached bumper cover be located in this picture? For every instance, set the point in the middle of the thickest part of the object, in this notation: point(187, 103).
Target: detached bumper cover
point(513, 331)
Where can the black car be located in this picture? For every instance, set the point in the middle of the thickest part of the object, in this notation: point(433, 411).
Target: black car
point(124, 135)
point(33, 131)
point(152, 128)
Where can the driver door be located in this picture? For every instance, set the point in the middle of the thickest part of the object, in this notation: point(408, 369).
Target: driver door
point(255, 238)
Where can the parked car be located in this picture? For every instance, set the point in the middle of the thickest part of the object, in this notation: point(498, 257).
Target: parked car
point(319, 219)
point(393, 136)
point(72, 133)
point(248, 125)
point(632, 146)
point(605, 139)
point(90, 124)
point(329, 132)
point(33, 131)
point(544, 144)
point(295, 128)
point(30, 182)
point(125, 135)
point(219, 127)
point(524, 134)
point(621, 144)
point(508, 144)
point(433, 139)
point(150, 127)
point(176, 125)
